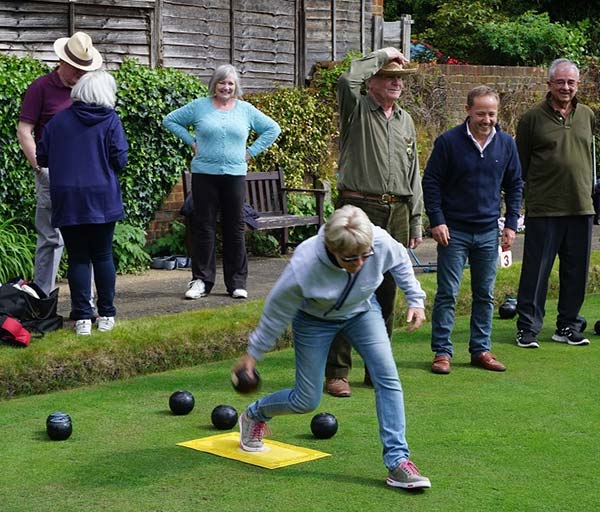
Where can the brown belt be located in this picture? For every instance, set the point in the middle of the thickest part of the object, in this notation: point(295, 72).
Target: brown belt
point(383, 198)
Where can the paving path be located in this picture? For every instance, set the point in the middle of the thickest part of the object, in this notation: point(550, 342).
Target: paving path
point(161, 291)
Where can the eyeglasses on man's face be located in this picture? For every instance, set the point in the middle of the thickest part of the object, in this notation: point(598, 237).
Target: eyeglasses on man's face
point(562, 83)
point(363, 256)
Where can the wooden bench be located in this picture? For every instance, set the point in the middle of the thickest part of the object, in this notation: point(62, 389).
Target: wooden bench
point(266, 193)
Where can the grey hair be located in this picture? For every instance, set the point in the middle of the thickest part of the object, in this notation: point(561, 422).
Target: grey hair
point(348, 230)
point(221, 73)
point(561, 62)
point(481, 90)
point(96, 87)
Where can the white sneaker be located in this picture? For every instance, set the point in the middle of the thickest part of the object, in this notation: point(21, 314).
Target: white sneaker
point(196, 289)
point(239, 293)
point(83, 327)
point(105, 323)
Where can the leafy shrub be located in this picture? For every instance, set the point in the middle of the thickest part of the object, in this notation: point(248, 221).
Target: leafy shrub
point(128, 249)
point(17, 251)
point(307, 128)
point(170, 243)
point(305, 204)
point(17, 195)
point(531, 39)
point(262, 243)
point(480, 33)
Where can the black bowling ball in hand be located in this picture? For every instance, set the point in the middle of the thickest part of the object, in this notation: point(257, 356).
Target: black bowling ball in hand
point(508, 309)
point(59, 426)
point(224, 417)
point(324, 425)
point(245, 383)
point(181, 403)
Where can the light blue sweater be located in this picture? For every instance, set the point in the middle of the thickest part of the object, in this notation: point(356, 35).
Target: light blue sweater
point(221, 136)
point(312, 283)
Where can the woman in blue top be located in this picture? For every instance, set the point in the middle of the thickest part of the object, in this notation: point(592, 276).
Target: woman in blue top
point(222, 123)
point(84, 148)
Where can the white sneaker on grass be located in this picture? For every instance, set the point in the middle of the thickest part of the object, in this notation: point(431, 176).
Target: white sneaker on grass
point(105, 323)
point(239, 293)
point(83, 327)
point(196, 289)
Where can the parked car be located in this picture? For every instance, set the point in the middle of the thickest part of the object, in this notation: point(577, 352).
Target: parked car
point(420, 51)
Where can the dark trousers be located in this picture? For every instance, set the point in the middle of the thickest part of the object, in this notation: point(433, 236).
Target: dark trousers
point(214, 194)
point(394, 218)
point(90, 244)
point(545, 237)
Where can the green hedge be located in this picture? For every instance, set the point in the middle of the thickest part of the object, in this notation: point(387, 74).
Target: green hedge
point(17, 193)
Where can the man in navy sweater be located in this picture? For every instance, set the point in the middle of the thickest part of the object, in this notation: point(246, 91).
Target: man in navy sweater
point(469, 168)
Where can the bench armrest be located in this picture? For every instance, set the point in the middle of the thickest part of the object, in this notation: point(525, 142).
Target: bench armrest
point(312, 190)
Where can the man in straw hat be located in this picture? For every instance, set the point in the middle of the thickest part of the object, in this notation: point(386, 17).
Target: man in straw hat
point(46, 96)
point(378, 172)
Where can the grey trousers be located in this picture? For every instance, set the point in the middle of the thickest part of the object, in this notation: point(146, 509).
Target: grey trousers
point(50, 244)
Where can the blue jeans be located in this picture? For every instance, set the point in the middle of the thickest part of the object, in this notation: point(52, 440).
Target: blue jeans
point(367, 334)
point(481, 250)
point(90, 244)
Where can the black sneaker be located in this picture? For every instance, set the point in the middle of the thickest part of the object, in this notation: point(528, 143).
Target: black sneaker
point(570, 336)
point(526, 339)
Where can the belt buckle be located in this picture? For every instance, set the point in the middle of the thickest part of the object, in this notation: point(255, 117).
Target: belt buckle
point(387, 198)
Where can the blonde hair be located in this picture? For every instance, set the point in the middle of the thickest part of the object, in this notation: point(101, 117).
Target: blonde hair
point(348, 230)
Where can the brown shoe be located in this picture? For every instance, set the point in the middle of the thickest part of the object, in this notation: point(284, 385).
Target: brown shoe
point(338, 387)
point(488, 361)
point(441, 365)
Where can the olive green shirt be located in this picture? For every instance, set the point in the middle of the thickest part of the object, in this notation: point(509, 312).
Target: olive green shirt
point(377, 155)
point(556, 157)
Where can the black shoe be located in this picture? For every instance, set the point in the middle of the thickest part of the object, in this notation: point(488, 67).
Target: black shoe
point(570, 336)
point(526, 339)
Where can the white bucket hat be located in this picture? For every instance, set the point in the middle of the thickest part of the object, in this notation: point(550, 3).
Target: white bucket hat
point(78, 51)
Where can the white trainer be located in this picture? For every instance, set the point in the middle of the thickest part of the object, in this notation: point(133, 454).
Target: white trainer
point(83, 327)
point(239, 293)
point(105, 323)
point(196, 289)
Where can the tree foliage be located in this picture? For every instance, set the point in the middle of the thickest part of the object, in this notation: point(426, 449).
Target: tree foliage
point(509, 32)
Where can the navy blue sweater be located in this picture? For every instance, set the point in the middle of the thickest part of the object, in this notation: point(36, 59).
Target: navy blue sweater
point(462, 186)
point(84, 147)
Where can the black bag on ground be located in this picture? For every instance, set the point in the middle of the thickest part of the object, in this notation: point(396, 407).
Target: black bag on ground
point(36, 315)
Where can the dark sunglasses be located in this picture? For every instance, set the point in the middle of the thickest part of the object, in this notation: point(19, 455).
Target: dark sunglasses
point(364, 256)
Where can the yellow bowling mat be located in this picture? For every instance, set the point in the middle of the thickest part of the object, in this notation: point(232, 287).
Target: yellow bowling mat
point(276, 455)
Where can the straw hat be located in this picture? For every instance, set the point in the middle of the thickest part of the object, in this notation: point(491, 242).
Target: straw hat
point(394, 68)
point(78, 51)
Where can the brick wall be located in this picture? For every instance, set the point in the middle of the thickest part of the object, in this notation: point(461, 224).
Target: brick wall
point(167, 214)
point(460, 79)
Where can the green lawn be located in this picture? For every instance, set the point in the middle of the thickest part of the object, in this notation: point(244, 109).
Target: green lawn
point(521, 440)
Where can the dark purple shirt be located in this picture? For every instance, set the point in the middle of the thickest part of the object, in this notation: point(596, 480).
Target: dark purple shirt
point(46, 96)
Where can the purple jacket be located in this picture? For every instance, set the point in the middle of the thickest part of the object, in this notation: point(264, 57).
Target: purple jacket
point(84, 147)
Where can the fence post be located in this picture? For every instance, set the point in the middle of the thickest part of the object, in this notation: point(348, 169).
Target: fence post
point(406, 22)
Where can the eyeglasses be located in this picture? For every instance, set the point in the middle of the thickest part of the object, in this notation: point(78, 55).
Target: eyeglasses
point(363, 256)
point(562, 83)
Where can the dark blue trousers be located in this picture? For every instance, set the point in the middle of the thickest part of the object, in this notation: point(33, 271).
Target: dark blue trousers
point(546, 237)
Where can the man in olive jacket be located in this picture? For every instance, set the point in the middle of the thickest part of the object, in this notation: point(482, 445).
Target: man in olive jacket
point(378, 172)
point(555, 144)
